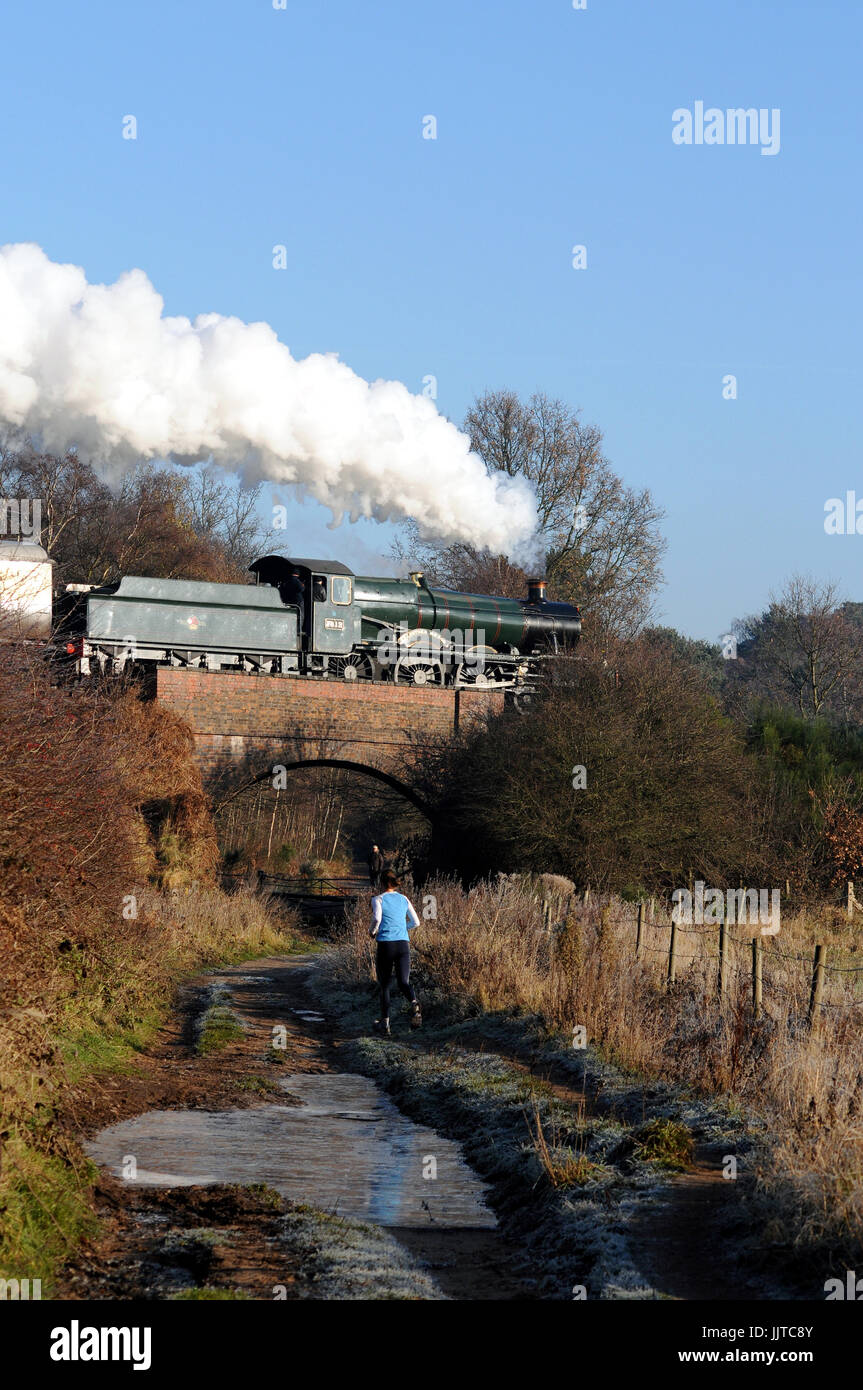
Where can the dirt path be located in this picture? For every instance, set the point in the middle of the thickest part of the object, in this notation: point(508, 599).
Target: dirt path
point(155, 1237)
point(680, 1240)
point(683, 1239)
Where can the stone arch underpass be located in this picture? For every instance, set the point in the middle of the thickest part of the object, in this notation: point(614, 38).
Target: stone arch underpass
point(244, 725)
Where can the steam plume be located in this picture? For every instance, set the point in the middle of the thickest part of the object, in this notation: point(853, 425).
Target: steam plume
point(101, 368)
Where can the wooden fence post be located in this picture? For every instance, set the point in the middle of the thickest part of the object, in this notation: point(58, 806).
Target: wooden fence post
point(817, 985)
point(672, 954)
point(586, 896)
point(757, 977)
point(638, 931)
point(852, 901)
point(723, 958)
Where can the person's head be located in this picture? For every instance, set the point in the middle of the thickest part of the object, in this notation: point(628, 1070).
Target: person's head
point(374, 849)
point(389, 881)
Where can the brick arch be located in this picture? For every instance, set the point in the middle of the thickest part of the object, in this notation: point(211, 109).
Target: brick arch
point(396, 785)
point(376, 728)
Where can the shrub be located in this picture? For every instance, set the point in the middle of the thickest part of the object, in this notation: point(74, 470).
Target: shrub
point(103, 807)
point(669, 787)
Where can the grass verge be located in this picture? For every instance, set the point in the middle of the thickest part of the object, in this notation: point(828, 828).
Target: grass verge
point(98, 1020)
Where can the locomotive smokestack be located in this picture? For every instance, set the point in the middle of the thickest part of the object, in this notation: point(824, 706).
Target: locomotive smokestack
point(536, 591)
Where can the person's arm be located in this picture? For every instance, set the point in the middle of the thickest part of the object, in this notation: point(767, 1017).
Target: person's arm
point(377, 914)
point(410, 912)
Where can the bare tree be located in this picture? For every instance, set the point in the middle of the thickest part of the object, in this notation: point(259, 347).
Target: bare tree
point(602, 540)
point(176, 524)
point(71, 495)
point(805, 651)
point(459, 566)
point(223, 511)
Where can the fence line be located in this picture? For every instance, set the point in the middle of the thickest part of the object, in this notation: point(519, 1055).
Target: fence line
point(763, 958)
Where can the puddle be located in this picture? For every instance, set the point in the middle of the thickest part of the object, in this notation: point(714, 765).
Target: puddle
point(345, 1148)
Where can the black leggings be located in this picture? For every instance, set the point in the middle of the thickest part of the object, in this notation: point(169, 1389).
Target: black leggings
point(389, 954)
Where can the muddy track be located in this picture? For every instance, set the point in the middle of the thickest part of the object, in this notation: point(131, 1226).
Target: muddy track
point(678, 1239)
point(148, 1247)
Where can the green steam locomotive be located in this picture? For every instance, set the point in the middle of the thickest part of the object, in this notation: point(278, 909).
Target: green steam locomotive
point(317, 618)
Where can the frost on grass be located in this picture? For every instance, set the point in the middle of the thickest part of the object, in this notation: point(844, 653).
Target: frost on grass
point(347, 1260)
point(217, 1025)
point(567, 1213)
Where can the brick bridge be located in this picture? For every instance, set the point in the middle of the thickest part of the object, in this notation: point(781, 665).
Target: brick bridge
point(245, 724)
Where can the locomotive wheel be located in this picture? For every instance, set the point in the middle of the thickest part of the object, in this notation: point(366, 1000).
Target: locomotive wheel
point(477, 670)
point(523, 700)
point(352, 668)
point(467, 677)
point(415, 671)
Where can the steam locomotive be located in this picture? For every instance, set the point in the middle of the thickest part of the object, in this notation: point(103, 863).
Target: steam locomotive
point(317, 618)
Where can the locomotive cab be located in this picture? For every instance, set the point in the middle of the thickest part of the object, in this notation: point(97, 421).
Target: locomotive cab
point(323, 590)
point(335, 621)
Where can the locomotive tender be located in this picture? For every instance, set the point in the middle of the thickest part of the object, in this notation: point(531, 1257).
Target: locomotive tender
point(317, 618)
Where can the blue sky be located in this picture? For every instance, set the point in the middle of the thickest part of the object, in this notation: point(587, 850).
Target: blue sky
point(452, 257)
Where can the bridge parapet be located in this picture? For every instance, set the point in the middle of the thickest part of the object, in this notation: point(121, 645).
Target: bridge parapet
point(243, 720)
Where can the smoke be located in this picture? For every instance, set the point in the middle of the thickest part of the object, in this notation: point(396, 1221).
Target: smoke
point(100, 368)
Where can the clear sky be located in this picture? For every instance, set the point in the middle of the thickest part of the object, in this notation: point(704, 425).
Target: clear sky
point(452, 257)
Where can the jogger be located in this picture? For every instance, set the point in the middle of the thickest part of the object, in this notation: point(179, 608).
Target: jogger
point(394, 955)
point(391, 914)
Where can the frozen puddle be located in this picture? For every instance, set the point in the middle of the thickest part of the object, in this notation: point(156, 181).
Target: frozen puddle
point(345, 1149)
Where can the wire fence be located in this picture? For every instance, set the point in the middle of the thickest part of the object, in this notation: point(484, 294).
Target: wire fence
point(810, 985)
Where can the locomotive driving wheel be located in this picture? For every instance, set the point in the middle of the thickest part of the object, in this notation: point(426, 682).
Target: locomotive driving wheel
point(352, 668)
point(467, 677)
point(523, 699)
point(417, 670)
point(477, 670)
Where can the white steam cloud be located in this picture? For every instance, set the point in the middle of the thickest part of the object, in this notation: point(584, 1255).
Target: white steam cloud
point(99, 367)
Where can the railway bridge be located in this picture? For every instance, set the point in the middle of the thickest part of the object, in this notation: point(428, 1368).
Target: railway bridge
point(245, 725)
